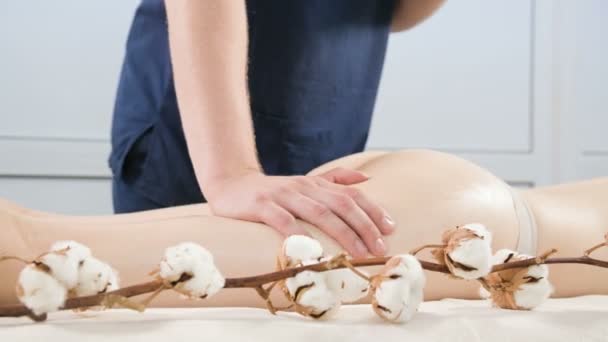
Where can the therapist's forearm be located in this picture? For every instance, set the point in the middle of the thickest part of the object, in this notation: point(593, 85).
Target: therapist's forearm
point(208, 41)
point(409, 13)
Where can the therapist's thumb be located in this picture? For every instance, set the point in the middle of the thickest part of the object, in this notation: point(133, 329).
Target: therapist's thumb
point(344, 176)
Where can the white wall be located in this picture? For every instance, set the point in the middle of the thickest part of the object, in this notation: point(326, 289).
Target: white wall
point(516, 86)
point(58, 75)
point(512, 85)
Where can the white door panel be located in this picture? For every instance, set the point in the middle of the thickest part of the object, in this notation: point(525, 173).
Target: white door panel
point(460, 81)
point(60, 64)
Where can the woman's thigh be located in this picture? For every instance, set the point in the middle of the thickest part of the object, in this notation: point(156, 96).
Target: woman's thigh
point(425, 193)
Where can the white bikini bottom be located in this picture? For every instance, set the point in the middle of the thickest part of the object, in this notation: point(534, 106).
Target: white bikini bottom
point(527, 239)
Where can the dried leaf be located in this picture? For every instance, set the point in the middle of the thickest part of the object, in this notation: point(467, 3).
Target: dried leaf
point(112, 300)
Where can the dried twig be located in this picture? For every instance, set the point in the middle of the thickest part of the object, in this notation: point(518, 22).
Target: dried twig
point(421, 248)
point(596, 247)
point(10, 257)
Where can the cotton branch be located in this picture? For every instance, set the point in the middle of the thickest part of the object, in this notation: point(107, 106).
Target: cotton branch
point(256, 282)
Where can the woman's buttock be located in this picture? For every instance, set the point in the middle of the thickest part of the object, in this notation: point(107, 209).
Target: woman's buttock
point(428, 192)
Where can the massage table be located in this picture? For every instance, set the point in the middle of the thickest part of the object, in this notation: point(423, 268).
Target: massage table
point(566, 319)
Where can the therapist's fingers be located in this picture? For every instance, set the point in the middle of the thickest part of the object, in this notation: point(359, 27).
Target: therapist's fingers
point(322, 217)
point(349, 211)
point(278, 218)
point(376, 213)
point(344, 176)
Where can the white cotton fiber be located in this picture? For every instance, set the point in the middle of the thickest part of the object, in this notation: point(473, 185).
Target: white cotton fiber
point(300, 248)
point(95, 277)
point(310, 293)
point(531, 295)
point(348, 286)
point(72, 248)
point(39, 291)
point(68, 268)
point(64, 259)
point(503, 255)
point(308, 290)
point(399, 293)
point(304, 278)
point(193, 260)
point(473, 252)
point(63, 267)
point(321, 300)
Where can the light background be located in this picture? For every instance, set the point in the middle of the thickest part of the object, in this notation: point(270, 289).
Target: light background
point(516, 86)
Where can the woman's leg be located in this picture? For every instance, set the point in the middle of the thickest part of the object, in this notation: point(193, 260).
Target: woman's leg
point(134, 245)
point(572, 218)
point(425, 192)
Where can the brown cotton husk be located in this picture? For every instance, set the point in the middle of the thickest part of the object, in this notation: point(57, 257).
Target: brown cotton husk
point(283, 261)
point(452, 238)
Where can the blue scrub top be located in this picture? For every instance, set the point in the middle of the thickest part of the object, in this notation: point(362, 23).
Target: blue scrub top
point(314, 69)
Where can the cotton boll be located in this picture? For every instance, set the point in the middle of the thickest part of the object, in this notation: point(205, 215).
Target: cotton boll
point(305, 278)
point(95, 277)
point(531, 295)
point(300, 248)
point(113, 281)
point(468, 251)
point(538, 271)
point(506, 255)
point(63, 261)
point(310, 294)
point(192, 260)
point(348, 286)
point(397, 291)
point(72, 249)
point(62, 267)
point(503, 255)
point(307, 290)
point(39, 291)
point(474, 257)
point(206, 281)
point(519, 288)
point(390, 298)
point(319, 301)
point(480, 230)
point(538, 290)
point(181, 259)
point(216, 283)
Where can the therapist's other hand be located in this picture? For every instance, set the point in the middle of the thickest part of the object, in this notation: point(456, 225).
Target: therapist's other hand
point(325, 201)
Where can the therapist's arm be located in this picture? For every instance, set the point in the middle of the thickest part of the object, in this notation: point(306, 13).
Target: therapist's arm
point(208, 42)
point(409, 13)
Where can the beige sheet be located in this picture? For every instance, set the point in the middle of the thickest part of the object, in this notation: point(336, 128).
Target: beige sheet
point(573, 319)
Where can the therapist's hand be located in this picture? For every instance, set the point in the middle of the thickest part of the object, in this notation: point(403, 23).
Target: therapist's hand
point(208, 42)
point(325, 201)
